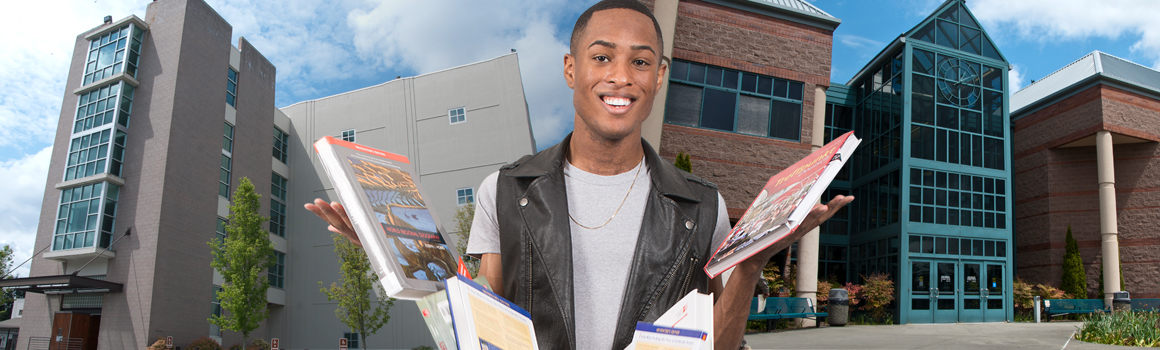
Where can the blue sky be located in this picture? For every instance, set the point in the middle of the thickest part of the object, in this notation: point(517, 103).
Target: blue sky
point(325, 47)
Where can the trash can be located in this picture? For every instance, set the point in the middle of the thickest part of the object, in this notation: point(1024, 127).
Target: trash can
point(1121, 301)
point(838, 307)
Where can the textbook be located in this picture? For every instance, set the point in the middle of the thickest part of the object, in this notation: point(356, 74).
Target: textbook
point(649, 336)
point(688, 319)
point(400, 234)
point(782, 204)
point(436, 311)
point(486, 321)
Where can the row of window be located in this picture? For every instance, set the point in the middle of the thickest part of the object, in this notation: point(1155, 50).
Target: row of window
point(113, 52)
point(98, 107)
point(728, 100)
point(86, 216)
point(879, 203)
point(277, 205)
point(957, 148)
point(956, 29)
point(89, 154)
point(956, 246)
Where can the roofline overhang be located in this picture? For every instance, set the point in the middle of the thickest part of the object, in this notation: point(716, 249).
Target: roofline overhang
point(61, 284)
point(898, 43)
point(1082, 84)
point(789, 14)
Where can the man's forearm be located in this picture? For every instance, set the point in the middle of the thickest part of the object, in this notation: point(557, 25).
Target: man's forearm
point(732, 307)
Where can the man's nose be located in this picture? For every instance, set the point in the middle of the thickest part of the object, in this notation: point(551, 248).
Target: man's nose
point(620, 74)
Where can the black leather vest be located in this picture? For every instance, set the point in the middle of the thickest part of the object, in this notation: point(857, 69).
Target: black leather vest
point(536, 244)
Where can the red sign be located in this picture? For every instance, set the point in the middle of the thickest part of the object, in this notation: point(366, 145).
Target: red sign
point(169, 342)
point(342, 343)
point(274, 344)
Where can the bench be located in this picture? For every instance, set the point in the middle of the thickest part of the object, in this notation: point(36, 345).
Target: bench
point(785, 308)
point(1059, 307)
point(1145, 304)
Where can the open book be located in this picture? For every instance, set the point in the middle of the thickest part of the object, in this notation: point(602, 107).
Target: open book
point(400, 234)
point(782, 204)
point(688, 324)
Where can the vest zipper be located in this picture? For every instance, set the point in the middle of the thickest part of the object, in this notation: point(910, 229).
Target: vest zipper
point(689, 276)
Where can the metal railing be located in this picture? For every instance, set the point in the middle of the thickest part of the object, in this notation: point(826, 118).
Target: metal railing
point(42, 343)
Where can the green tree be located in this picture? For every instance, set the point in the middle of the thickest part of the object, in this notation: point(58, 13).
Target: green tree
point(464, 215)
point(242, 258)
point(355, 308)
point(8, 295)
point(1074, 280)
point(682, 162)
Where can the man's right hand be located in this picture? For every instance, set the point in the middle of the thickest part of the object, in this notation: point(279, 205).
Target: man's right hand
point(335, 215)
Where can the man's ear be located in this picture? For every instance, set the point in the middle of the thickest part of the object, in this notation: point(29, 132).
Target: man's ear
point(570, 70)
point(661, 71)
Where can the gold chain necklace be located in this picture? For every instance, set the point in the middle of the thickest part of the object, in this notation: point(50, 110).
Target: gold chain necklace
point(634, 177)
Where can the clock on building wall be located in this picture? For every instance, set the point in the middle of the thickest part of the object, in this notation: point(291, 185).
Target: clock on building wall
point(953, 79)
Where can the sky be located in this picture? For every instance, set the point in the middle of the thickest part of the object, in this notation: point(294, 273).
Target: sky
point(326, 47)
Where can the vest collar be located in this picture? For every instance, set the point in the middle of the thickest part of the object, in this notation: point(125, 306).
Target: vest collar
point(666, 178)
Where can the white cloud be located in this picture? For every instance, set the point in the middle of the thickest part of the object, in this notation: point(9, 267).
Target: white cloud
point(34, 65)
point(858, 42)
point(23, 188)
point(1075, 20)
point(443, 34)
point(1015, 78)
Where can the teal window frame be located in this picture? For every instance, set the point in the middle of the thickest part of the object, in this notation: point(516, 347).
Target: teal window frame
point(85, 216)
point(226, 161)
point(347, 135)
point(232, 88)
point(281, 152)
point(457, 115)
point(724, 82)
point(465, 196)
point(113, 52)
point(277, 271)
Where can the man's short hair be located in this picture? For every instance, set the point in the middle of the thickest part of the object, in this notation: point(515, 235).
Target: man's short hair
point(582, 22)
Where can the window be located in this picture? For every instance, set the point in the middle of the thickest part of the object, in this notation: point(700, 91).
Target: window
point(277, 205)
point(351, 340)
point(957, 199)
point(232, 88)
point(958, 111)
point(722, 99)
point(457, 115)
point(98, 107)
point(281, 153)
point(87, 155)
point(955, 28)
point(107, 53)
point(215, 310)
point(227, 158)
point(348, 135)
point(465, 196)
point(277, 271)
point(221, 227)
point(86, 216)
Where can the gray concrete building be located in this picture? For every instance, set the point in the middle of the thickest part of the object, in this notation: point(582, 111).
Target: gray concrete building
point(160, 120)
point(456, 126)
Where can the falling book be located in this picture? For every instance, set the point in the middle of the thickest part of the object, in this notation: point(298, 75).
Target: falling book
point(382, 197)
point(782, 204)
point(486, 321)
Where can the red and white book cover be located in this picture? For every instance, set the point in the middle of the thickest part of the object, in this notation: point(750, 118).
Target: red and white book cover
point(782, 204)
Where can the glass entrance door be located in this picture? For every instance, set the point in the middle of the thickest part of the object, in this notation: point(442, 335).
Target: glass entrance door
point(974, 295)
point(934, 298)
point(993, 293)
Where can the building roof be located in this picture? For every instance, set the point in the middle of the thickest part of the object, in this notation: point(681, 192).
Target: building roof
point(1095, 65)
point(800, 6)
point(800, 11)
point(12, 323)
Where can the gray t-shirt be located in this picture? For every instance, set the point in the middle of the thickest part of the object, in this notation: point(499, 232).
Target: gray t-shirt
point(601, 258)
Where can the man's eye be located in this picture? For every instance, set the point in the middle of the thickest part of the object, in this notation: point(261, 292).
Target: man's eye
point(601, 58)
point(640, 62)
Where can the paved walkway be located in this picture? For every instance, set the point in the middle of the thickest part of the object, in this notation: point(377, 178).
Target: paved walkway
point(1053, 335)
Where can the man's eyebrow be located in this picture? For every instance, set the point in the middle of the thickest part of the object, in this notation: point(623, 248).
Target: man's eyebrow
point(643, 47)
point(603, 43)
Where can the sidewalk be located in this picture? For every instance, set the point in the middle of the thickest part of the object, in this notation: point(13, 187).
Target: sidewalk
point(972, 336)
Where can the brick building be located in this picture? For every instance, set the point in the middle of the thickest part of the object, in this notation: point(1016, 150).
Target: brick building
point(1085, 155)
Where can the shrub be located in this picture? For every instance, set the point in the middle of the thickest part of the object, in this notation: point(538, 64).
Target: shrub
point(203, 343)
point(879, 293)
point(236, 347)
point(1048, 292)
point(683, 162)
point(1122, 328)
point(1074, 280)
point(1022, 293)
point(853, 291)
point(423, 347)
point(259, 344)
point(824, 290)
point(157, 345)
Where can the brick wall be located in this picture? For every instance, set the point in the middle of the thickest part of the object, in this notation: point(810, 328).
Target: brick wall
point(721, 36)
point(1056, 187)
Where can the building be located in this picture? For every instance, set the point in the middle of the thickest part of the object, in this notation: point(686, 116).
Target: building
point(143, 170)
point(1084, 154)
point(932, 175)
point(456, 126)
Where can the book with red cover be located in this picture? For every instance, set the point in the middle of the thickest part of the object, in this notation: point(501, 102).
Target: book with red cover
point(782, 204)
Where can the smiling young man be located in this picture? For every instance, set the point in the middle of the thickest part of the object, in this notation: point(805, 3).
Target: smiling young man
point(598, 232)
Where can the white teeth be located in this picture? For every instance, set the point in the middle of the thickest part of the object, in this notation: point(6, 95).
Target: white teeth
point(617, 101)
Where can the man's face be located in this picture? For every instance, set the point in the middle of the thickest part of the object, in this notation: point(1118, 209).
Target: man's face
point(615, 72)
